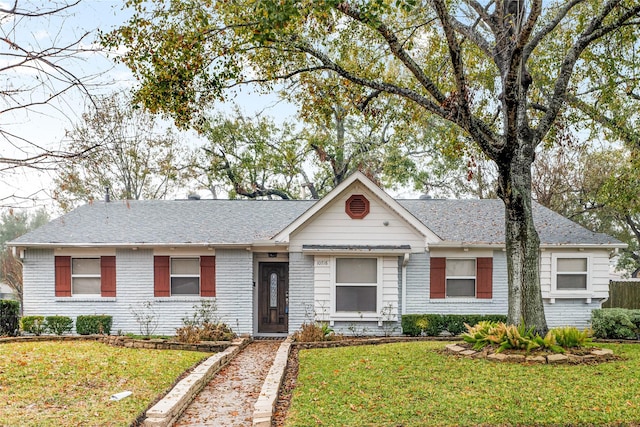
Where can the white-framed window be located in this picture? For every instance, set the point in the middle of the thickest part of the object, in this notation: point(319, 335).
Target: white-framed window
point(571, 273)
point(461, 278)
point(356, 285)
point(185, 276)
point(85, 276)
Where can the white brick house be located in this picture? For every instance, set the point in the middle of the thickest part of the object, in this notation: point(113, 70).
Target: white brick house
point(355, 257)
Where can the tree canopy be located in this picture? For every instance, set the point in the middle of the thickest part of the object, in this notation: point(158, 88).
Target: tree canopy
point(124, 149)
point(499, 71)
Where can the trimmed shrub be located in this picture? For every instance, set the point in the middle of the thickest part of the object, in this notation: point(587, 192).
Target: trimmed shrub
point(9, 318)
point(434, 324)
point(59, 325)
point(35, 325)
point(94, 324)
point(615, 323)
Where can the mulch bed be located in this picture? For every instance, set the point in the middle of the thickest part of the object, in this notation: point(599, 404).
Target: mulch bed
point(286, 389)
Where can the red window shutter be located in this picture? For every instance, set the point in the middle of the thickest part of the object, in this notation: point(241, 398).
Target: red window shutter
point(208, 276)
point(484, 279)
point(63, 276)
point(161, 276)
point(108, 276)
point(438, 277)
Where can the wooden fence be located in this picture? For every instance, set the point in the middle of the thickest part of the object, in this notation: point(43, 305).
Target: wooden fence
point(623, 294)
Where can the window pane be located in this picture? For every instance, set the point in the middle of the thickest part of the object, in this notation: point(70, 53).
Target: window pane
point(356, 270)
point(185, 266)
point(572, 281)
point(85, 285)
point(185, 286)
point(572, 264)
point(85, 266)
point(461, 287)
point(273, 290)
point(356, 298)
point(461, 267)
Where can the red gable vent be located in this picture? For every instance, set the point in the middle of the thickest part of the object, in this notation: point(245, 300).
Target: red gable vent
point(357, 206)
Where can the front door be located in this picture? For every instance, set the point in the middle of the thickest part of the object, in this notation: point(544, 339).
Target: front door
point(273, 297)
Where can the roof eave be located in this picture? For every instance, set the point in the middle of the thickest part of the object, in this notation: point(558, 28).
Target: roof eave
point(453, 245)
point(130, 245)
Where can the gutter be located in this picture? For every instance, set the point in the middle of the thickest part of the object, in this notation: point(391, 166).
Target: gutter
point(405, 261)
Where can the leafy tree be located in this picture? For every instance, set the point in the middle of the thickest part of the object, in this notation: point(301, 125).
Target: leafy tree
point(254, 158)
point(499, 71)
point(124, 149)
point(13, 225)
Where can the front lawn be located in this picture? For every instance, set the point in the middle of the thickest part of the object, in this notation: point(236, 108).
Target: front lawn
point(69, 383)
point(414, 384)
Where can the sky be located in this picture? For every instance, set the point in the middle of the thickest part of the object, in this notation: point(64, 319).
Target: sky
point(45, 126)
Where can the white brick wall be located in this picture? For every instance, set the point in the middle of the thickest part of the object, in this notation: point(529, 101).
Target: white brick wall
point(234, 288)
point(300, 289)
point(134, 285)
point(418, 289)
point(570, 312)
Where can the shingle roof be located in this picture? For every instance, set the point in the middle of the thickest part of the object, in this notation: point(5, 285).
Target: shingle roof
point(170, 221)
point(166, 222)
point(482, 222)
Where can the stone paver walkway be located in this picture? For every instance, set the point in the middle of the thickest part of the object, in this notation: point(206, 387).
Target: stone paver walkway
point(229, 398)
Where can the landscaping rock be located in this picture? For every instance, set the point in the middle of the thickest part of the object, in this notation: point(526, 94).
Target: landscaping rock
point(515, 357)
point(602, 352)
point(536, 359)
point(557, 358)
point(454, 348)
point(499, 357)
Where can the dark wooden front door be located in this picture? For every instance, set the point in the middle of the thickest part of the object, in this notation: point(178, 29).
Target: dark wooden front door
point(273, 297)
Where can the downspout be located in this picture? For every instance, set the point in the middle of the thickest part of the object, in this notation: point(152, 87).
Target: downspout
point(405, 261)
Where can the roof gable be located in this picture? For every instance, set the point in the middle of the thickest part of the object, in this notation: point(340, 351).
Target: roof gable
point(350, 186)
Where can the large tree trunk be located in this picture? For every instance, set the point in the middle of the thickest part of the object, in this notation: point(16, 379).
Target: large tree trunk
point(522, 241)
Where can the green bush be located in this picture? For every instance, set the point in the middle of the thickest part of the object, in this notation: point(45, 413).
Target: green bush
point(94, 324)
point(434, 324)
point(571, 337)
point(9, 318)
point(59, 325)
point(615, 323)
point(35, 325)
point(504, 337)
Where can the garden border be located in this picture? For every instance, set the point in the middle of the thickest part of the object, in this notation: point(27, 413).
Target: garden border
point(168, 409)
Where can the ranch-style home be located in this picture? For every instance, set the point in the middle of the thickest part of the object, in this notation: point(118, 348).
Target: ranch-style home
point(356, 258)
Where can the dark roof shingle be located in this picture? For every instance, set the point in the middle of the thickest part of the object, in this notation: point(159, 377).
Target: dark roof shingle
point(166, 222)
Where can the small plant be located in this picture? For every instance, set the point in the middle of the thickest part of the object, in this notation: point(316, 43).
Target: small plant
point(94, 324)
point(571, 337)
point(204, 325)
point(189, 334)
point(146, 316)
point(388, 318)
point(9, 318)
point(313, 332)
point(35, 325)
point(59, 325)
point(216, 332)
point(205, 312)
point(356, 330)
point(422, 324)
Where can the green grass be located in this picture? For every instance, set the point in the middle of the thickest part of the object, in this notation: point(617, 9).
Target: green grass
point(412, 384)
point(69, 383)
